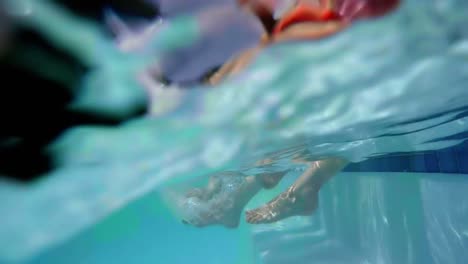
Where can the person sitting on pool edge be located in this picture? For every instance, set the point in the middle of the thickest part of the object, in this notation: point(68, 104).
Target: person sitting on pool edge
point(219, 202)
point(303, 20)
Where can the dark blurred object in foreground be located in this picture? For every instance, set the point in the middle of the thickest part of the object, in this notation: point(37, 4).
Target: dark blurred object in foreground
point(39, 81)
point(94, 8)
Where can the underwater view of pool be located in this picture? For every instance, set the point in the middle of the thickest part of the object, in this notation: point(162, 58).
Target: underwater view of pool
point(396, 86)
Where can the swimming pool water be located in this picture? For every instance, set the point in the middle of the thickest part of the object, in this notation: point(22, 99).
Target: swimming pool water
point(363, 218)
point(391, 86)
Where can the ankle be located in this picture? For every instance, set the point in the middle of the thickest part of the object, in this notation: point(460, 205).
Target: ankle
point(270, 180)
point(305, 193)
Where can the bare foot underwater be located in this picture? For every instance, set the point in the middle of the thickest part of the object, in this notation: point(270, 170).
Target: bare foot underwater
point(223, 200)
point(302, 197)
point(227, 193)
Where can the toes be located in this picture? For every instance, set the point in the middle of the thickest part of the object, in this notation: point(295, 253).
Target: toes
point(249, 216)
point(254, 217)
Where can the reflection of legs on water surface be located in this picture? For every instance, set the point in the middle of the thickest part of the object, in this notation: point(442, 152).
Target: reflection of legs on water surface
point(302, 197)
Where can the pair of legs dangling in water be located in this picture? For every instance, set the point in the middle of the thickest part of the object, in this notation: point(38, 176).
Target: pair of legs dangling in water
point(223, 200)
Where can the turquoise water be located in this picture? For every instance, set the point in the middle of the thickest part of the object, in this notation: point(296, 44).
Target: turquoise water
point(394, 85)
point(360, 220)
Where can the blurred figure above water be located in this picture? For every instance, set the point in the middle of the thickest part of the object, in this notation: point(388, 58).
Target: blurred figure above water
point(302, 20)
